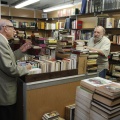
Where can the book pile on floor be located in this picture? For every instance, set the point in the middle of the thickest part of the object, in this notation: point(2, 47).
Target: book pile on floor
point(69, 112)
point(54, 115)
point(97, 99)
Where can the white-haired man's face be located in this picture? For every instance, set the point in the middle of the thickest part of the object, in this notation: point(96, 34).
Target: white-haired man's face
point(98, 34)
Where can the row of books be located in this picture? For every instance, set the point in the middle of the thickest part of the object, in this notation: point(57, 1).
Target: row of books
point(97, 99)
point(18, 24)
point(57, 65)
point(93, 6)
point(109, 22)
point(82, 34)
point(116, 39)
point(68, 12)
point(116, 70)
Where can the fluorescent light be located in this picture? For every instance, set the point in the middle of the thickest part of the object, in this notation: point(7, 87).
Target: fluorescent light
point(57, 7)
point(25, 3)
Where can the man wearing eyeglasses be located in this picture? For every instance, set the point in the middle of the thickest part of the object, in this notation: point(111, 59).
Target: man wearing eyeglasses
point(9, 71)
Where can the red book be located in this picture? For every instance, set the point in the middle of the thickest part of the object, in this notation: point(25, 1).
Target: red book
point(78, 24)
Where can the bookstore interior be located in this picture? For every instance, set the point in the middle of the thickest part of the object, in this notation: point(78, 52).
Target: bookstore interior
point(64, 82)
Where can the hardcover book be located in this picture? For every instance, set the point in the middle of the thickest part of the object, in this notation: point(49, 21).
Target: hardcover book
point(104, 114)
point(111, 89)
point(105, 100)
point(83, 7)
point(105, 108)
point(92, 83)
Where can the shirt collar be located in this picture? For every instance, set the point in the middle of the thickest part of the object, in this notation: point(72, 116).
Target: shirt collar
point(4, 38)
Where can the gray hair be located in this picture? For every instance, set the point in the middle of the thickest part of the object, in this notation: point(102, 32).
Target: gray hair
point(103, 29)
point(3, 22)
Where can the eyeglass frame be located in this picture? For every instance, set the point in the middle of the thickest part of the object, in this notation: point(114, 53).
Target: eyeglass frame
point(9, 26)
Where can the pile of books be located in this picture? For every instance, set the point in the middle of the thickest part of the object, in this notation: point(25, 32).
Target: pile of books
point(54, 115)
point(69, 112)
point(92, 62)
point(97, 99)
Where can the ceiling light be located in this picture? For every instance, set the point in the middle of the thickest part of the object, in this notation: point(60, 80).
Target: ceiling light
point(25, 3)
point(57, 7)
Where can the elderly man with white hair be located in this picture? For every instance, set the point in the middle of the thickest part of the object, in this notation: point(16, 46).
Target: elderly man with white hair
point(9, 70)
point(101, 44)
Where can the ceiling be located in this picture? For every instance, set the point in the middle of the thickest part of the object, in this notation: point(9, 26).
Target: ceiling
point(39, 5)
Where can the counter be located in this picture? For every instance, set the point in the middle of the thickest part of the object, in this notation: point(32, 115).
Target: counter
point(36, 97)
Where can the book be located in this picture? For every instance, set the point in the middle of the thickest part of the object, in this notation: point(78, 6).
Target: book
point(97, 5)
point(84, 92)
point(105, 108)
point(83, 7)
point(81, 115)
point(94, 82)
point(85, 108)
point(69, 112)
point(78, 24)
point(84, 100)
point(111, 89)
point(105, 100)
point(96, 116)
point(103, 113)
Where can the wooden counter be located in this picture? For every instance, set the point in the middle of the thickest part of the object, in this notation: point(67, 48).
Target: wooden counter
point(41, 96)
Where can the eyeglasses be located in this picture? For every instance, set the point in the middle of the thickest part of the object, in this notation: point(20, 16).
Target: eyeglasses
point(9, 26)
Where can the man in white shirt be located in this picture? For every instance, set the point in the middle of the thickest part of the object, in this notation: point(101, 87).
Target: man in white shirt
point(101, 44)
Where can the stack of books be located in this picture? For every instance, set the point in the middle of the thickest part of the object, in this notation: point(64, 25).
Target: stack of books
point(92, 62)
point(82, 101)
point(69, 112)
point(85, 95)
point(54, 115)
point(106, 102)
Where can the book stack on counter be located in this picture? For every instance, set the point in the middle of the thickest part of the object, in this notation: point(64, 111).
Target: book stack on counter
point(92, 62)
point(97, 99)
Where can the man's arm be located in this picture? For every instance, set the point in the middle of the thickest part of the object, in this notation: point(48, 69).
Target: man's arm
point(100, 52)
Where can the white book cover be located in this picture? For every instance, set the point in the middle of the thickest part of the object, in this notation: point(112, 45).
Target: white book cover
point(109, 22)
point(81, 115)
point(82, 106)
point(53, 26)
point(94, 82)
point(85, 101)
point(87, 94)
point(57, 66)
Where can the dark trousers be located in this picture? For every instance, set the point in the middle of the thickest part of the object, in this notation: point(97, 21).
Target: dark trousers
point(103, 73)
point(8, 112)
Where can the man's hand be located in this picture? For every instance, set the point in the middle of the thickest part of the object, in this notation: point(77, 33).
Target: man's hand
point(86, 47)
point(29, 66)
point(26, 46)
point(94, 49)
